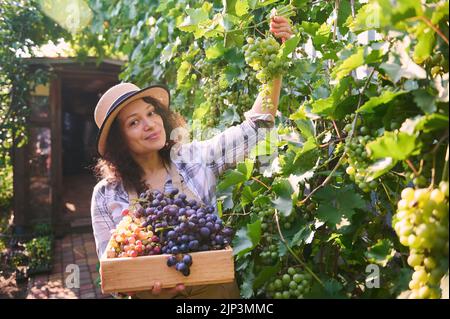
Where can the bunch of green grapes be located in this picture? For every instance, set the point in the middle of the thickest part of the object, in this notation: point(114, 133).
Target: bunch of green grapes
point(262, 55)
point(292, 283)
point(268, 251)
point(212, 93)
point(357, 156)
point(421, 222)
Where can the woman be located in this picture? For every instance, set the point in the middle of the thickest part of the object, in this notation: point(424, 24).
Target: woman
point(136, 153)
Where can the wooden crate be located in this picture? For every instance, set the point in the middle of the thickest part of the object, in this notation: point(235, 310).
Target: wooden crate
point(140, 273)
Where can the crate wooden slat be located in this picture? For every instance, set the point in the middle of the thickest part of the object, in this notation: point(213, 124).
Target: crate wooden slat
point(140, 273)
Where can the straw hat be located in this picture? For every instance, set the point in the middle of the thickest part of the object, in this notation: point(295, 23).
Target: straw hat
point(115, 99)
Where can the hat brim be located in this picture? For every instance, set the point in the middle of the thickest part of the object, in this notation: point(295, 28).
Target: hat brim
point(160, 92)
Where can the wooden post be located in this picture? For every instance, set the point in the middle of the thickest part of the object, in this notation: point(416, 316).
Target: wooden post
point(56, 157)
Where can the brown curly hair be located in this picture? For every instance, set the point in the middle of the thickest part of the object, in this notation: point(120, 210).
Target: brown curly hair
point(117, 165)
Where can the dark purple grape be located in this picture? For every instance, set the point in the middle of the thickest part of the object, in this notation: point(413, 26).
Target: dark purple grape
point(186, 272)
point(175, 250)
point(163, 202)
point(192, 202)
point(210, 209)
point(201, 221)
point(171, 234)
point(185, 238)
point(219, 239)
point(190, 212)
point(187, 259)
point(184, 248)
point(172, 210)
point(200, 215)
point(164, 249)
point(217, 227)
point(182, 196)
point(174, 191)
point(155, 203)
point(170, 244)
point(191, 225)
point(205, 232)
point(178, 202)
point(171, 261)
point(193, 245)
point(180, 266)
point(164, 224)
point(227, 231)
point(210, 226)
point(159, 196)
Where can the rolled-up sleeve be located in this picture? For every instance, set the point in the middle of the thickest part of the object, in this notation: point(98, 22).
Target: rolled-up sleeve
point(102, 222)
point(231, 146)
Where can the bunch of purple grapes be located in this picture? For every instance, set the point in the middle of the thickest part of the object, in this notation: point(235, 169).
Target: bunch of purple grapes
point(182, 225)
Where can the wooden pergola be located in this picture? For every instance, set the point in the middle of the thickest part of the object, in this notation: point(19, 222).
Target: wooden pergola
point(73, 89)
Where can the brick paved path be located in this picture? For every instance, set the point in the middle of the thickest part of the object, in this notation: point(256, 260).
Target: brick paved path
point(78, 249)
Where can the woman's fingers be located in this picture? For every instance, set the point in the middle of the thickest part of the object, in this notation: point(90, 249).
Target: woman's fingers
point(156, 288)
point(284, 29)
point(280, 19)
point(284, 35)
point(178, 288)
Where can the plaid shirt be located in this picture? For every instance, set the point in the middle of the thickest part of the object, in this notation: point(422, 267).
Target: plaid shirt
point(200, 163)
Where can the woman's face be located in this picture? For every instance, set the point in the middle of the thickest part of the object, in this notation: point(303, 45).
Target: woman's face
point(142, 127)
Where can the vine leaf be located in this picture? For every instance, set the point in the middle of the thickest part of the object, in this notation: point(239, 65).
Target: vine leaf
point(247, 238)
point(374, 102)
point(397, 145)
point(336, 204)
point(381, 253)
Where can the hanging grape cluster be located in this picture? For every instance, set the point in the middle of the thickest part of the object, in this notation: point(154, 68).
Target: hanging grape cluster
point(262, 55)
point(357, 156)
point(291, 284)
point(421, 222)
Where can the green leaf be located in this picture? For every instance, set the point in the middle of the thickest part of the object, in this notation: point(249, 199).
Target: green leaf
point(283, 202)
point(265, 275)
point(288, 47)
point(425, 101)
point(194, 18)
point(432, 122)
point(374, 102)
point(231, 178)
point(246, 167)
point(215, 51)
point(248, 277)
point(425, 43)
point(241, 7)
point(336, 204)
point(322, 35)
point(247, 238)
point(397, 145)
point(304, 235)
point(343, 68)
point(380, 168)
point(381, 253)
point(310, 27)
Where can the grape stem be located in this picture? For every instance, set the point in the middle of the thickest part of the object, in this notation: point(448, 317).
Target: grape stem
point(445, 170)
point(262, 183)
point(411, 165)
point(294, 254)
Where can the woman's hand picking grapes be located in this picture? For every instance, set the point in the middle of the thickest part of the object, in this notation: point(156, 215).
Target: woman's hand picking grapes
point(281, 28)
